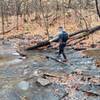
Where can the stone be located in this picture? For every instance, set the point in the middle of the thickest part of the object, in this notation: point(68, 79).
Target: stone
point(43, 82)
point(23, 85)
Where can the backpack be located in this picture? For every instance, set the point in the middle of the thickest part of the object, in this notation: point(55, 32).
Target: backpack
point(63, 36)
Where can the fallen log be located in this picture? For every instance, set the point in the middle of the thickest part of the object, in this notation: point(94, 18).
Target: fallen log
point(78, 32)
point(92, 30)
point(55, 39)
point(38, 45)
point(83, 34)
point(43, 43)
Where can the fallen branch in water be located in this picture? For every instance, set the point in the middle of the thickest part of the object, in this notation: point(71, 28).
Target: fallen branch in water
point(55, 59)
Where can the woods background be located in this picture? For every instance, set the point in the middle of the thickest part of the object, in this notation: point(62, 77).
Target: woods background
point(44, 16)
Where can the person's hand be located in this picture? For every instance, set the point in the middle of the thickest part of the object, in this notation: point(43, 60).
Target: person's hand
point(55, 45)
point(60, 42)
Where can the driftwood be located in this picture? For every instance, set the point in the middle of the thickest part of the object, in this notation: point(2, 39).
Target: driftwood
point(55, 59)
point(86, 32)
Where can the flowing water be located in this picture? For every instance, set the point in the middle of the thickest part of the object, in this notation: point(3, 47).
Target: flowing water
point(14, 69)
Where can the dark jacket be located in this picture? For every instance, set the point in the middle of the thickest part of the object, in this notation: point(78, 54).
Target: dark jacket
point(63, 37)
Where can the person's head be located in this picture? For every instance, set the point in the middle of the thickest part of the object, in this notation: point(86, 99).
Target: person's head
point(60, 29)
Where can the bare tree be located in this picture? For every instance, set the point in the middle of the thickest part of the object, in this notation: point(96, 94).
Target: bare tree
point(69, 3)
point(18, 11)
point(97, 8)
point(2, 15)
point(45, 17)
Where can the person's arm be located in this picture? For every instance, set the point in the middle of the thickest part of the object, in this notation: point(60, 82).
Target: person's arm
point(60, 39)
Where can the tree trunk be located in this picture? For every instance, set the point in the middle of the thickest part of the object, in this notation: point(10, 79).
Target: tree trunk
point(92, 30)
point(38, 45)
point(45, 18)
point(2, 18)
point(97, 8)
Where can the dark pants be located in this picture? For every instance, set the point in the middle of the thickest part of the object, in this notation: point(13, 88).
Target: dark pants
point(61, 50)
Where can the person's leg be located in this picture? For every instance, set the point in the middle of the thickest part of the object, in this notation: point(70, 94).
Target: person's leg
point(60, 50)
point(63, 53)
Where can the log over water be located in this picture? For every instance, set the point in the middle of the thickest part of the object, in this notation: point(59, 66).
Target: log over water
point(38, 45)
point(55, 39)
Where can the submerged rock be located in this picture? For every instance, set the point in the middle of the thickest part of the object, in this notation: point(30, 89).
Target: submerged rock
point(23, 85)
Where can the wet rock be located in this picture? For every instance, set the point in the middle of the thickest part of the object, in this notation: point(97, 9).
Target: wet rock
point(23, 85)
point(43, 82)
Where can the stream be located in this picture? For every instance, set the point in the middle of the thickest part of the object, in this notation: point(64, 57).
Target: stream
point(78, 73)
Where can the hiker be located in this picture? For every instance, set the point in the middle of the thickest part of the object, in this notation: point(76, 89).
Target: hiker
point(63, 37)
